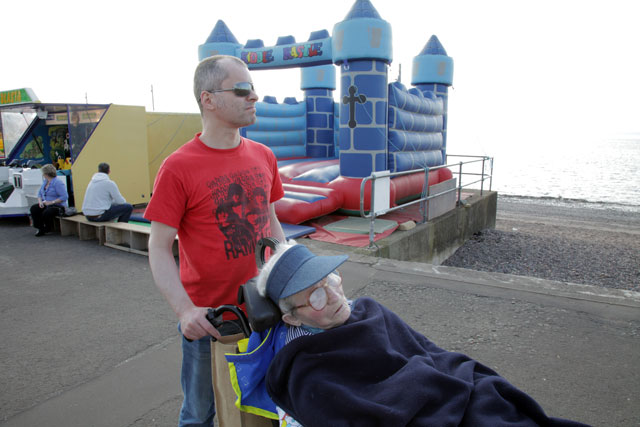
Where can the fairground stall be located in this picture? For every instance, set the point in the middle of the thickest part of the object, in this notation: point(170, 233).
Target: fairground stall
point(75, 138)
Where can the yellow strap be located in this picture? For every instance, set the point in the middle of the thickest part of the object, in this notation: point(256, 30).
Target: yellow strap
point(243, 344)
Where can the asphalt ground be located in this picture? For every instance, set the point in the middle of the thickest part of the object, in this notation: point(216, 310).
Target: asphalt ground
point(87, 340)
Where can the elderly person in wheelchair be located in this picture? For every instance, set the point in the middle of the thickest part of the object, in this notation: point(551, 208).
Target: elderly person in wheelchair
point(335, 362)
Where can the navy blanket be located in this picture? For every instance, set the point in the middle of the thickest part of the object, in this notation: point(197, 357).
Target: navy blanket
point(377, 371)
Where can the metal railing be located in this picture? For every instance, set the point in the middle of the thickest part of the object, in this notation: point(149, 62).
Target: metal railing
point(425, 197)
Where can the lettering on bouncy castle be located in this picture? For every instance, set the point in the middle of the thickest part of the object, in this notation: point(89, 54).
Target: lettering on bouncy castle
point(301, 51)
point(257, 57)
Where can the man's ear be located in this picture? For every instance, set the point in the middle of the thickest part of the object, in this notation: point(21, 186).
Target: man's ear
point(290, 319)
point(207, 101)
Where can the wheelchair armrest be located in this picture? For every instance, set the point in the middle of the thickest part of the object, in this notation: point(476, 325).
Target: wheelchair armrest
point(261, 312)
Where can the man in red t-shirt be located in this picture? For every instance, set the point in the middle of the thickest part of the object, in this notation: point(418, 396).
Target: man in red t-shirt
point(204, 193)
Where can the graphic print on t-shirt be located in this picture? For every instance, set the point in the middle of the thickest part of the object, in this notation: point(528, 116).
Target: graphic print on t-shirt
point(241, 210)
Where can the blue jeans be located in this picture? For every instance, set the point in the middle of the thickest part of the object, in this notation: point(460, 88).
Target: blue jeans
point(122, 212)
point(198, 406)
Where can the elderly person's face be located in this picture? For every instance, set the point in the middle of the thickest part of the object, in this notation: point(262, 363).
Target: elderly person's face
point(49, 172)
point(313, 309)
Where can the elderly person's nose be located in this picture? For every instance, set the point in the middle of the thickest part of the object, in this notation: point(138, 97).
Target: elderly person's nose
point(333, 293)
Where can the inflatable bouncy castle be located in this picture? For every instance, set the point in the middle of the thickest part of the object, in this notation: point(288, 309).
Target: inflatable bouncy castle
point(326, 147)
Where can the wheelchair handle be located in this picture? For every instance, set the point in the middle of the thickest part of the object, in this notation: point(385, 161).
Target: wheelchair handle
point(269, 311)
point(214, 315)
point(261, 246)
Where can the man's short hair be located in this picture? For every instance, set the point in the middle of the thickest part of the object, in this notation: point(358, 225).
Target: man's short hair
point(210, 73)
point(103, 167)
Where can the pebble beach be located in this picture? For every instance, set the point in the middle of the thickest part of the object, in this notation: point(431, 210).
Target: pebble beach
point(563, 240)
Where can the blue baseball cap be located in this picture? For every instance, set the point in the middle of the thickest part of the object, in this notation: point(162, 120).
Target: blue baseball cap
point(297, 269)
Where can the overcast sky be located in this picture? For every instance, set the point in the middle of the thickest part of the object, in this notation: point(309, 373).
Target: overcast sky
point(524, 70)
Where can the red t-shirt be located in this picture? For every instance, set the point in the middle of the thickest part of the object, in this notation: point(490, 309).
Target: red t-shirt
point(219, 202)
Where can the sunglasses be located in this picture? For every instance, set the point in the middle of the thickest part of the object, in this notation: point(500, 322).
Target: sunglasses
point(318, 298)
point(239, 89)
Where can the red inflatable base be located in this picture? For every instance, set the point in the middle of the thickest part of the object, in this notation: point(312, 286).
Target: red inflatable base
point(402, 188)
point(340, 193)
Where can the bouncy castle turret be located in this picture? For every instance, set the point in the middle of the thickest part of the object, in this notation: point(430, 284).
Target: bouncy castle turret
point(318, 84)
point(220, 42)
point(361, 45)
point(433, 72)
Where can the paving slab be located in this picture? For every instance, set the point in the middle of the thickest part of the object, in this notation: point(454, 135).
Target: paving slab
point(89, 341)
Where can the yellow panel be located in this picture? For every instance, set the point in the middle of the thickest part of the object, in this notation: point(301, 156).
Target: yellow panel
point(120, 139)
point(167, 132)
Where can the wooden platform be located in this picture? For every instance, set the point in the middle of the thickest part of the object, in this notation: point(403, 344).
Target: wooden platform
point(130, 238)
point(118, 235)
point(78, 225)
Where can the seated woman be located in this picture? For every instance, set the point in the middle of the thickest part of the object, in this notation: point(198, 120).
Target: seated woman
point(359, 364)
point(52, 199)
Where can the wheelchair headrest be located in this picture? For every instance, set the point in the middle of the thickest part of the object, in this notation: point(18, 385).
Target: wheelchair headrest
point(261, 311)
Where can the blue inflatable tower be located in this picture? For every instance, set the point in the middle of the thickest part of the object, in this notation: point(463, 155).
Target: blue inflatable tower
point(361, 46)
point(433, 72)
point(221, 41)
point(318, 84)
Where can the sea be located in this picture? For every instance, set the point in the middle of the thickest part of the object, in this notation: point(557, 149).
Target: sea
point(603, 173)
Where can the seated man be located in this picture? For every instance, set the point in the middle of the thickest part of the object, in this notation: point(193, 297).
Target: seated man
point(359, 364)
point(103, 201)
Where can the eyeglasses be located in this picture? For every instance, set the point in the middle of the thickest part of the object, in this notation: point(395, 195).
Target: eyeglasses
point(318, 298)
point(240, 89)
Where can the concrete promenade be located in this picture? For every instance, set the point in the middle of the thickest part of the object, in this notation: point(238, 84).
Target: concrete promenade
point(87, 340)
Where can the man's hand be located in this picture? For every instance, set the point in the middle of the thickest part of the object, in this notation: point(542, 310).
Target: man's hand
point(193, 320)
point(195, 325)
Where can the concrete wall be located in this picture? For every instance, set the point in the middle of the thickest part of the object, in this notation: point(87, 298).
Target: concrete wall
point(434, 241)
